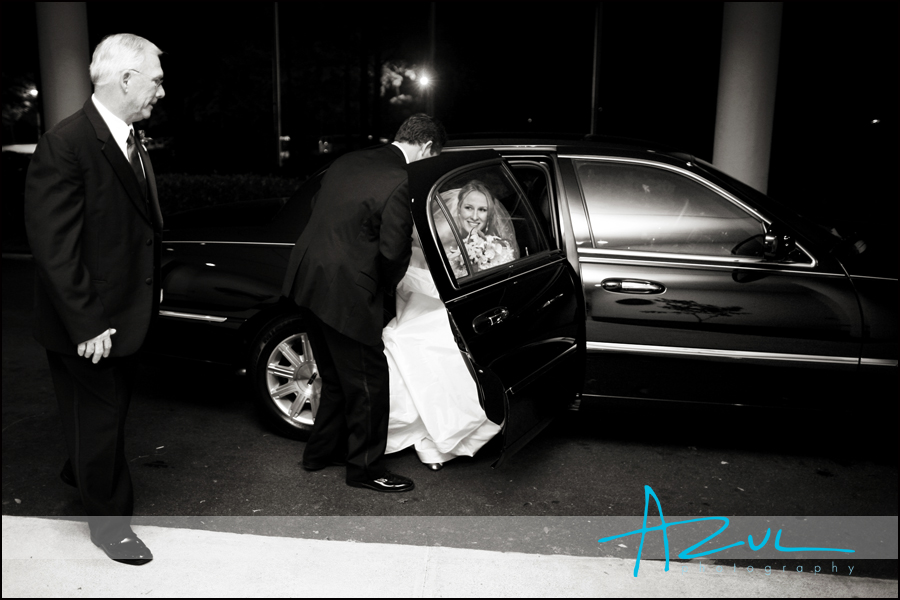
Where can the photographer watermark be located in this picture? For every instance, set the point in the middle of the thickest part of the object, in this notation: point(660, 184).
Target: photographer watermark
point(768, 570)
point(750, 538)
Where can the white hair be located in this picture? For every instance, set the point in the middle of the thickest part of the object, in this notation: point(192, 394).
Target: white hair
point(116, 53)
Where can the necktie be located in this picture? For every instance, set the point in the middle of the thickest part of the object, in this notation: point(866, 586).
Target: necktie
point(135, 160)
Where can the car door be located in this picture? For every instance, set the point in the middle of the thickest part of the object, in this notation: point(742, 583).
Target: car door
point(685, 304)
point(519, 316)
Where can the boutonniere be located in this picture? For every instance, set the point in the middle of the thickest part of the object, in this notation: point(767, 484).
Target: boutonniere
point(144, 139)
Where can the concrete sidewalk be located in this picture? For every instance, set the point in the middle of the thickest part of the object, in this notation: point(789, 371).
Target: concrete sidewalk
point(47, 557)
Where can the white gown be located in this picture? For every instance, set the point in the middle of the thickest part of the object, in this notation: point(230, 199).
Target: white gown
point(434, 400)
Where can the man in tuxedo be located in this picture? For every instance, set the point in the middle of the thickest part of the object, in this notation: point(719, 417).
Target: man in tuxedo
point(355, 248)
point(93, 222)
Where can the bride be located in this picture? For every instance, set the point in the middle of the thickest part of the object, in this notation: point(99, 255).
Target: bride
point(434, 399)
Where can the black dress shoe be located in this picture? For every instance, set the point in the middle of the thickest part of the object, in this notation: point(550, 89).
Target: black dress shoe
point(68, 476)
point(318, 466)
point(130, 551)
point(389, 482)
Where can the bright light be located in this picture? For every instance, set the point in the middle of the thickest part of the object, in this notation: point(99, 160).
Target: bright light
point(425, 81)
point(33, 93)
point(876, 121)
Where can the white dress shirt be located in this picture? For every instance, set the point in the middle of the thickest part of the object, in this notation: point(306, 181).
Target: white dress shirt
point(401, 150)
point(118, 128)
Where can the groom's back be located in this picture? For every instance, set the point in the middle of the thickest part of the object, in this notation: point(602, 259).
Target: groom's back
point(336, 260)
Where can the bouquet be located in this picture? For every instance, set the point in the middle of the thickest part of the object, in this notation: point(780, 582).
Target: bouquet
point(484, 252)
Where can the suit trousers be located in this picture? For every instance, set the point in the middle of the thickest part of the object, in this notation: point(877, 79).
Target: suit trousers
point(93, 402)
point(355, 404)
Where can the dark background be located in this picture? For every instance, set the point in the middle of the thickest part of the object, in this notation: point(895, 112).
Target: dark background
point(510, 67)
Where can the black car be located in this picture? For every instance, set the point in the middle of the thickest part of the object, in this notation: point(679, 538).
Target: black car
point(643, 275)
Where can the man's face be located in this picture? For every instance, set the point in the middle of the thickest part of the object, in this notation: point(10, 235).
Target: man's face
point(145, 88)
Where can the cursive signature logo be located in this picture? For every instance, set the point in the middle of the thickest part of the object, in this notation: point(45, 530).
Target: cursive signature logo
point(687, 553)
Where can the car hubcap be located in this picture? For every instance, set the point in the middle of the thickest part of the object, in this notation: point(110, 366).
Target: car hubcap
point(288, 371)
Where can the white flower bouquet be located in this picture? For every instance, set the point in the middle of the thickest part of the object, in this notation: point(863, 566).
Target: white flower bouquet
point(484, 252)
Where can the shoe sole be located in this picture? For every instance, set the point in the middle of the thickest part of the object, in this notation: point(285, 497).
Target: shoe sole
point(136, 562)
point(367, 486)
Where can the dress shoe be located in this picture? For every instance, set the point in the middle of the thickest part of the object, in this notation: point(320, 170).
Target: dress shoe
point(389, 482)
point(318, 466)
point(435, 466)
point(68, 476)
point(130, 551)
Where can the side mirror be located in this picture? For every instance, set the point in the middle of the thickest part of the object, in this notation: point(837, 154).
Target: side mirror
point(777, 246)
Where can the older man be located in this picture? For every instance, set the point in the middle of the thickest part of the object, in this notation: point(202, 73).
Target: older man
point(94, 223)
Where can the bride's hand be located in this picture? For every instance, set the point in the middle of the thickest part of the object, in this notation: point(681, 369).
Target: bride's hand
point(476, 233)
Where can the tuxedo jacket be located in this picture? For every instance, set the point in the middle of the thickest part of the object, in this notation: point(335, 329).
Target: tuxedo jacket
point(356, 245)
point(95, 238)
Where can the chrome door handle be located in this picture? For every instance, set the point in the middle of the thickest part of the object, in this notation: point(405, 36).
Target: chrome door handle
point(551, 301)
point(482, 322)
point(632, 286)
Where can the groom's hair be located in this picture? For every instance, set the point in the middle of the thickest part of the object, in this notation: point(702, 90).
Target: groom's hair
point(421, 129)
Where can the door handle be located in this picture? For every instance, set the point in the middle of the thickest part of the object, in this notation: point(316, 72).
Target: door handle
point(632, 286)
point(482, 322)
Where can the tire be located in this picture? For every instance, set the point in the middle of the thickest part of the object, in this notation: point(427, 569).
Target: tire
point(281, 366)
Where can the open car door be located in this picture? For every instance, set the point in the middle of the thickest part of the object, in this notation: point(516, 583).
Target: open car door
point(514, 301)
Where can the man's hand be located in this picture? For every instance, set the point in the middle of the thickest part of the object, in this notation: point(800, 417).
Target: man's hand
point(97, 347)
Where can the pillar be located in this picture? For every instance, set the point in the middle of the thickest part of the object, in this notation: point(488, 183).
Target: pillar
point(65, 58)
point(748, 72)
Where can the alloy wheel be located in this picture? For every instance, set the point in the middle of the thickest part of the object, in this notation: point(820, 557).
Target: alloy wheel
point(289, 369)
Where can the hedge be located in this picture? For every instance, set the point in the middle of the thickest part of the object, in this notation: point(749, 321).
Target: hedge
point(180, 192)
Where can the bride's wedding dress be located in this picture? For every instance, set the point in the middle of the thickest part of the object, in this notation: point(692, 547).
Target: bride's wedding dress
point(434, 400)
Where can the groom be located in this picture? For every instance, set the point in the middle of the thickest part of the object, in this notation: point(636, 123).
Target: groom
point(355, 247)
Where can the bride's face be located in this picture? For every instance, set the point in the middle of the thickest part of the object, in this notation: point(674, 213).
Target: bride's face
point(473, 212)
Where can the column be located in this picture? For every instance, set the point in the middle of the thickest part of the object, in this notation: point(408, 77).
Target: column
point(748, 72)
point(65, 58)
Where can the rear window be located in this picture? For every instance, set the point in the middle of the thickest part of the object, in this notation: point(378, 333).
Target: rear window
point(483, 221)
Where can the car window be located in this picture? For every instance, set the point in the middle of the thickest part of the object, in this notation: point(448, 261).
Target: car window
point(482, 220)
point(647, 209)
point(535, 183)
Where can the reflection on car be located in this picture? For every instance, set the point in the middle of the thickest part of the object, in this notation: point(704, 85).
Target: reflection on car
point(619, 273)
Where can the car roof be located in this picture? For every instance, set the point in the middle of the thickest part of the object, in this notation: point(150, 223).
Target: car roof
point(564, 144)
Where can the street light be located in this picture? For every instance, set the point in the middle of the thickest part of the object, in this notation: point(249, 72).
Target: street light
point(33, 93)
point(425, 82)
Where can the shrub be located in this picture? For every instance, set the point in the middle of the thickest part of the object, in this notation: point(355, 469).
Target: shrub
point(180, 192)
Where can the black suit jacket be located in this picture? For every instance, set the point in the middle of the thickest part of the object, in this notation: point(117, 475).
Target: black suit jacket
point(356, 245)
point(94, 237)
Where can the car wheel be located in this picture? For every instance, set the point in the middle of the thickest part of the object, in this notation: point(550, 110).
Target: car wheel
point(282, 367)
